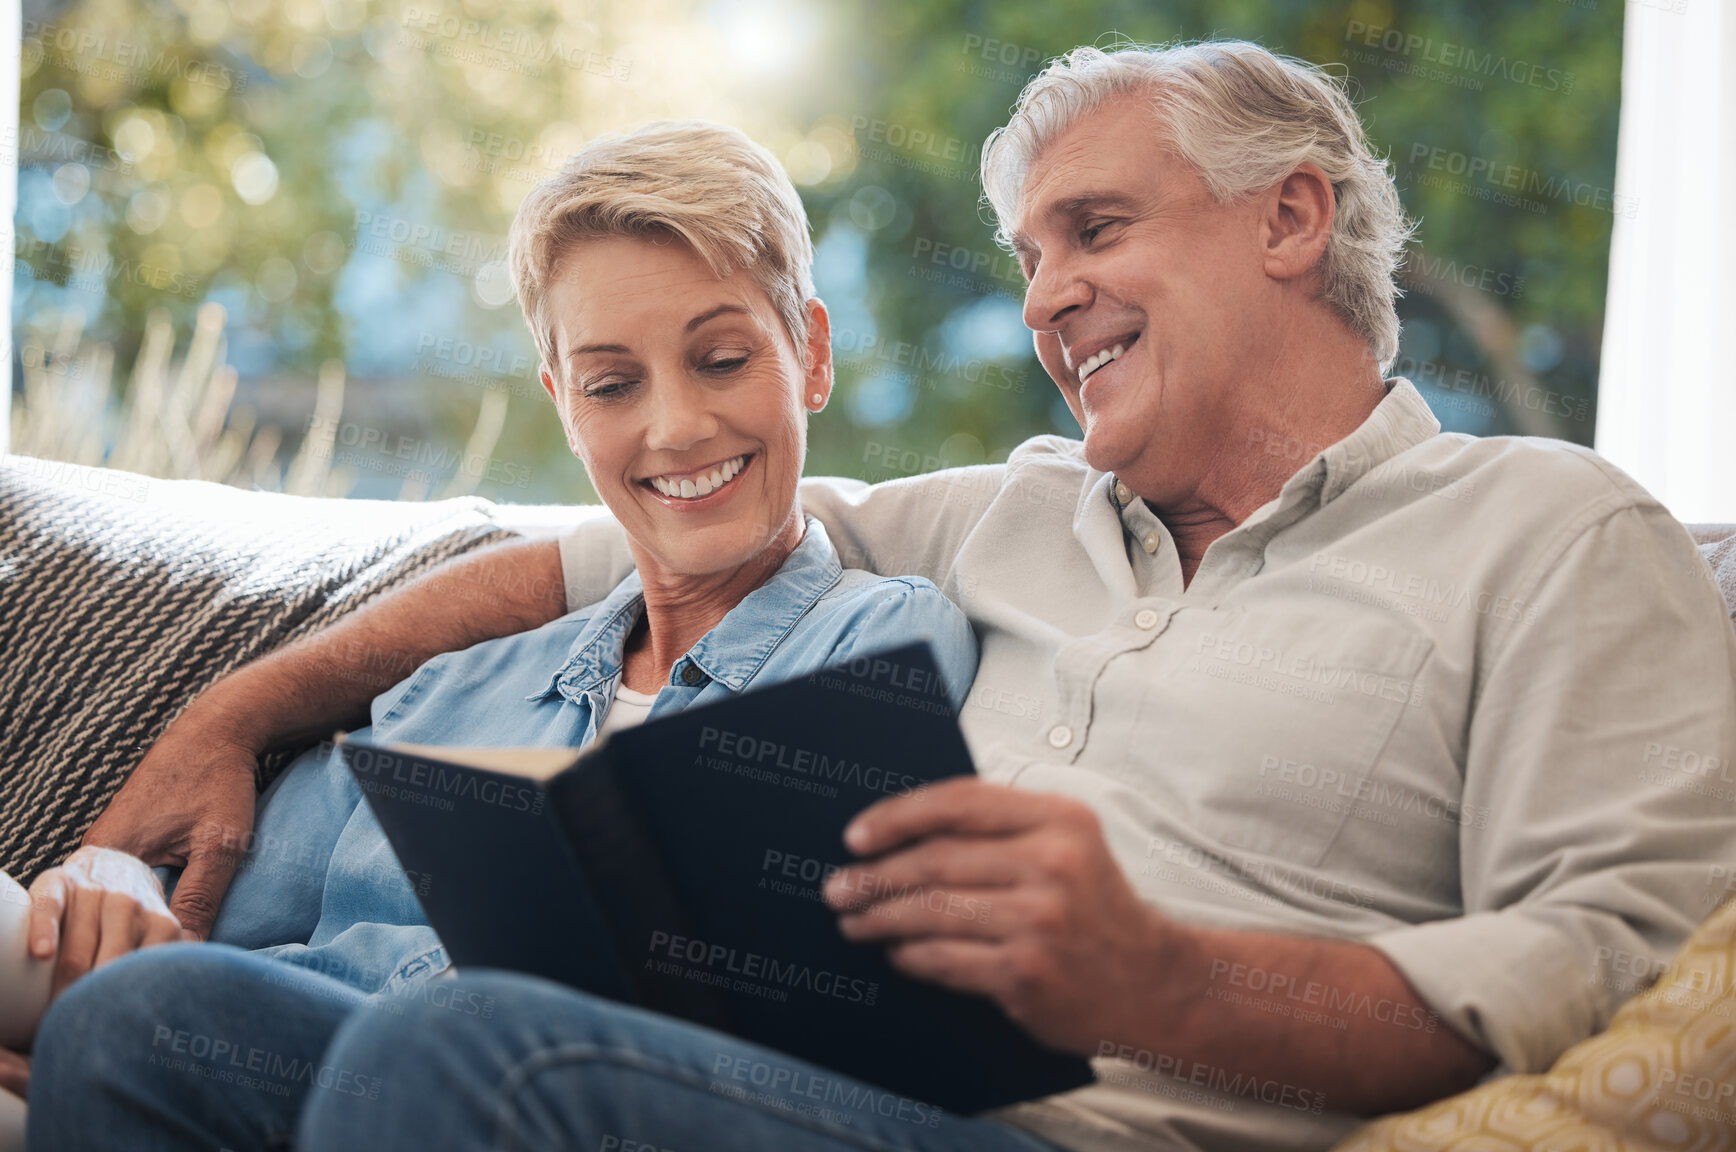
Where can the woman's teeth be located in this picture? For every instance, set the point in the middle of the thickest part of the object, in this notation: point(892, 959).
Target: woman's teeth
point(704, 484)
point(1099, 360)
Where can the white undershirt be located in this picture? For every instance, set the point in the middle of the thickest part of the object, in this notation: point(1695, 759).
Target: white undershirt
point(627, 709)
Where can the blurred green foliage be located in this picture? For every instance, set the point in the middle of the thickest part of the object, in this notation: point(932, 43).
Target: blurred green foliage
point(281, 156)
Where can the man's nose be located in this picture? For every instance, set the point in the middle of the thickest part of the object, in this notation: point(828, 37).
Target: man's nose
point(680, 418)
point(1054, 292)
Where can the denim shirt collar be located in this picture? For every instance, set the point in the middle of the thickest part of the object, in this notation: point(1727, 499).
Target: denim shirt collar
point(731, 653)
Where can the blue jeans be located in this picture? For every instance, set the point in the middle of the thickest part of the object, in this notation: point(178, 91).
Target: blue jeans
point(203, 1047)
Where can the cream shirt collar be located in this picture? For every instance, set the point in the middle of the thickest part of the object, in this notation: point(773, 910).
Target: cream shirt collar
point(1400, 422)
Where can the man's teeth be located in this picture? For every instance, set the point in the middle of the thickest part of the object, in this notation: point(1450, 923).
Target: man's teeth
point(1099, 360)
point(702, 485)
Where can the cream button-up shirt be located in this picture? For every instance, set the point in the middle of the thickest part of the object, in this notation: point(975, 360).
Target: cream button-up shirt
point(1466, 700)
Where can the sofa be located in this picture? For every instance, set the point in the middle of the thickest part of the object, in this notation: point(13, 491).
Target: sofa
point(122, 597)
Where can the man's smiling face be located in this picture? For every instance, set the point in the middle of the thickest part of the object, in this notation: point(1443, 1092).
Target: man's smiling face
point(1126, 249)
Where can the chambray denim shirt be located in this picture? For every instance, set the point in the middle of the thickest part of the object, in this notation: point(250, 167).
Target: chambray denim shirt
point(320, 885)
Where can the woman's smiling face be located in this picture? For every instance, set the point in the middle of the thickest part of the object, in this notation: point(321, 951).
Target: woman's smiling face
point(684, 397)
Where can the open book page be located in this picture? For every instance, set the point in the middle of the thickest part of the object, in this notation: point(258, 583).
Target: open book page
point(537, 764)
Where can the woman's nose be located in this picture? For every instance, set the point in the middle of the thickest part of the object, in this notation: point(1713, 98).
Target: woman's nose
point(680, 418)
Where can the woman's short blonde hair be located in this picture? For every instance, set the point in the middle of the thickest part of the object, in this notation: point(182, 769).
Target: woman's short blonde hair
point(1243, 118)
point(704, 184)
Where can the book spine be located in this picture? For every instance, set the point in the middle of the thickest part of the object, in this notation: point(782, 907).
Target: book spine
point(630, 885)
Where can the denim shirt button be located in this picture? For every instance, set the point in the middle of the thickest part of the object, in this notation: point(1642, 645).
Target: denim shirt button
point(691, 674)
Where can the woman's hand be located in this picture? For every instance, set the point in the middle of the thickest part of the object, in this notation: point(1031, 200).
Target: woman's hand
point(96, 907)
point(14, 1073)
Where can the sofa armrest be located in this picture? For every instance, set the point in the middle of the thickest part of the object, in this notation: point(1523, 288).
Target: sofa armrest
point(123, 597)
point(1711, 533)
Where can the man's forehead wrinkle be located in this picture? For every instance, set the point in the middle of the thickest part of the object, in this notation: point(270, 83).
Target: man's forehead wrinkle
point(1071, 164)
point(1064, 211)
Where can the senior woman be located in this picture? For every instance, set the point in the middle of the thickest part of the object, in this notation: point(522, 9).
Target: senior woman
point(665, 276)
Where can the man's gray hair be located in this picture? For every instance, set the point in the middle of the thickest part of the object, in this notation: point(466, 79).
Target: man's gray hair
point(1243, 117)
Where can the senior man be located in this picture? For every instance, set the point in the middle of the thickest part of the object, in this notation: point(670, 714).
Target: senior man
point(1323, 756)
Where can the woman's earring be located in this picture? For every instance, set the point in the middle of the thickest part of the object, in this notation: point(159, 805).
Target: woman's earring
point(817, 401)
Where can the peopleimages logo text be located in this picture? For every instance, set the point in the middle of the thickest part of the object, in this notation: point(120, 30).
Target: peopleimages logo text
point(1521, 181)
point(722, 958)
point(743, 747)
point(1463, 57)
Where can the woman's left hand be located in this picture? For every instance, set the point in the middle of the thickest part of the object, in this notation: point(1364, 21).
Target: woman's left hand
point(14, 1073)
point(96, 907)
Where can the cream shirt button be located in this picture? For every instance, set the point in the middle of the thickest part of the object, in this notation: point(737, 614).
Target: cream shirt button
point(1123, 494)
point(1060, 736)
point(1150, 542)
point(1146, 618)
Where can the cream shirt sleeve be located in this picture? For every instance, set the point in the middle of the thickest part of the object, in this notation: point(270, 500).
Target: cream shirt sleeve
point(1601, 847)
point(913, 526)
point(594, 558)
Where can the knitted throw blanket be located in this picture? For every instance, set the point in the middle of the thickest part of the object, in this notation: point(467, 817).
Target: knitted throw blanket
point(122, 597)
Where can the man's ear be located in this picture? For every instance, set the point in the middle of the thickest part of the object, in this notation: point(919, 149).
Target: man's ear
point(818, 379)
point(1298, 222)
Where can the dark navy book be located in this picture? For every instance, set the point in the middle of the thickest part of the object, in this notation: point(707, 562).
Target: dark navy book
point(677, 865)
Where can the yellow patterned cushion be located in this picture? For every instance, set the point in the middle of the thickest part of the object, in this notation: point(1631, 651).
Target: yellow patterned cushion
point(1662, 1077)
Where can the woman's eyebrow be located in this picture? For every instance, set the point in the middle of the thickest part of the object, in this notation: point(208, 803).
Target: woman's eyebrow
point(587, 349)
point(697, 321)
point(720, 310)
